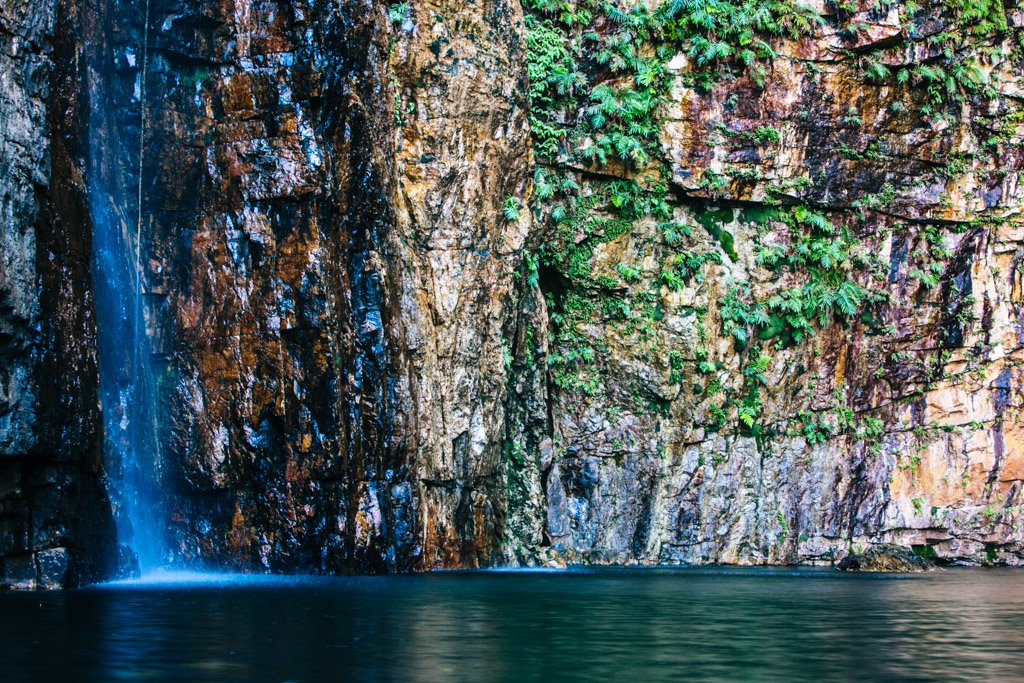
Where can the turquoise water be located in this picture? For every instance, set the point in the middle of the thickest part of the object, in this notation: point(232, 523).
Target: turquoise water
point(617, 624)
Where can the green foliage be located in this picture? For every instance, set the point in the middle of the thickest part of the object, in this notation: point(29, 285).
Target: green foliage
point(816, 429)
point(629, 44)
point(928, 277)
point(825, 256)
point(623, 124)
point(714, 222)
point(598, 83)
point(675, 363)
point(765, 135)
point(512, 209)
point(398, 13)
point(926, 551)
point(683, 267)
point(628, 273)
point(952, 64)
point(554, 83)
point(507, 358)
point(734, 34)
point(979, 17)
point(760, 136)
point(532, 266)
point(515, 453)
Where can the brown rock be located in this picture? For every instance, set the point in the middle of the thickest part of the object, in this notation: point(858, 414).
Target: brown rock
point(884, 558)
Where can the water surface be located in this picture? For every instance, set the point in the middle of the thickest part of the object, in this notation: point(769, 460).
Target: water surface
point(619, 624)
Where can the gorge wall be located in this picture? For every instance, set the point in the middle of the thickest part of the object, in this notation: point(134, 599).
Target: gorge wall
point(796, 330)
point(448, 285)
point(55, 518)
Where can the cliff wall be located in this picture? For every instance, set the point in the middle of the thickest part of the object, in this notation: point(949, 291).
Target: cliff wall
point(445, 285)
point(55, 519)
point(789, 316)
point(328, 274)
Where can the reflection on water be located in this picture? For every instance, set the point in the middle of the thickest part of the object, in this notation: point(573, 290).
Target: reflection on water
point(635, 625)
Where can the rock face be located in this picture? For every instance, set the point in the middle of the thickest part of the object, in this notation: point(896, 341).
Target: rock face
point(901, 424)
point(462, 147)
point(329, 274)
point(55, 521)
point(271, 150)
point(364, 356)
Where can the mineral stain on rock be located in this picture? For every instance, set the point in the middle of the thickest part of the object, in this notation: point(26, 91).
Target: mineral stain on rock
point(394, 319)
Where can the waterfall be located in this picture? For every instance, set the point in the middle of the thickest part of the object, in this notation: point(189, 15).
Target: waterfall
point(127, 383)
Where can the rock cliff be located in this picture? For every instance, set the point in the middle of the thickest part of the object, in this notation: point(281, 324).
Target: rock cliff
point(791, 323)
point(444, 285)
point(55, 517)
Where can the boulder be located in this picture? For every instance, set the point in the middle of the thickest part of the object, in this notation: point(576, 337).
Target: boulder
point(885, 557)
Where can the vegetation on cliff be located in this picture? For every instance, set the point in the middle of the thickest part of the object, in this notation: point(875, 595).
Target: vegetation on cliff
point(600, 78)
point(742, 204)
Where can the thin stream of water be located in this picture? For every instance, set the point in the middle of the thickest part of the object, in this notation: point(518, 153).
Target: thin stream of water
point(127, 383)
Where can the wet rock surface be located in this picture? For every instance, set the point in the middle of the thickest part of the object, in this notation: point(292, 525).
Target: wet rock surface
point(352, 344)
point(885, 558)
point(55, 522)
point(271, 154)
point(328, 274)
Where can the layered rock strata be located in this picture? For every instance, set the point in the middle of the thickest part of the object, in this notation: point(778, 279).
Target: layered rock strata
point(900, 425)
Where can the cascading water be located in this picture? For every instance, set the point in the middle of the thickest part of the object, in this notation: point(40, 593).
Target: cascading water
point(127, 386)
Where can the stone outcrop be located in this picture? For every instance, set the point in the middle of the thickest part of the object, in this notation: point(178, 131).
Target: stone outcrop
point(462, 147)
point(884, 558)
point(270, 150)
